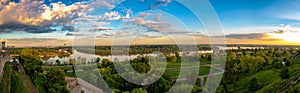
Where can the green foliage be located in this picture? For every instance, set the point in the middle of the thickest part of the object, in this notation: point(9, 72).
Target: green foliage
point(141, 64)
point(5, 79)
point(17, 84)
point(138, 90)
point(52, 82)
point(55, 82)
point(160, 86)
point(98, 59)
point(284, 73)
point(30, 53)
point(30, 60)
point(58, 62)
point(294, 89)
point(253, 85)
point(177, 54)
point(117, 83)
point(171, 59)
point(182, 88)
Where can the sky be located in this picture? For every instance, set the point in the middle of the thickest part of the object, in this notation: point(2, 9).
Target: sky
point(107, 22)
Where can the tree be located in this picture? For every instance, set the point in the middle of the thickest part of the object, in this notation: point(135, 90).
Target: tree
point(253, 85)
point(182, 88)
point(55, 82)
point(98, 59)
point(58, 62)
point(177, 54)
point(284, 73)
point(173, 59)
point(138, 90)
point(71, 61)
point(287, 61)
point(31, 61)
point(231, 56)
point(162, 85)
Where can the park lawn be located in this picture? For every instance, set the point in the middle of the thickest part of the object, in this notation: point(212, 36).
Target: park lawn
point(178, 64)
point(174, 72)
point(4, 85)
point(57, 67)
point(264, 78)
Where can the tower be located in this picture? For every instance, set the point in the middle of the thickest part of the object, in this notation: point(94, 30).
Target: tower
point(3, 44)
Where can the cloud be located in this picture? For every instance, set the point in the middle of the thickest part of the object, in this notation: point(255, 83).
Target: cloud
point(75, 34)
point(107, 3)
point(149, 35)
point(114, 34)
point(104, 29)
point(279, 35)
point(37, 17)
point(113, 15)
point(246, 36)
point(160, 3)
point(154, 24)
point(26, 42)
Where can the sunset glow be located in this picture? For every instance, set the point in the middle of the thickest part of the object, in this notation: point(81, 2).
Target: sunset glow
point(288, 36)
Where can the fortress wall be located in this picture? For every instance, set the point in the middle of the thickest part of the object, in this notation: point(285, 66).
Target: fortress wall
point(4, 57)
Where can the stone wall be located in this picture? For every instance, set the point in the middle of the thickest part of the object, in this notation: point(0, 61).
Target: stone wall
point(4, 57)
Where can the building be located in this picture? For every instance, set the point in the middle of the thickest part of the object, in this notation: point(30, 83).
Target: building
point(3, 44)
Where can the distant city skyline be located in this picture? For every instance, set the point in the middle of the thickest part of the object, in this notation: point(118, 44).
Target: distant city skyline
point(55, 22)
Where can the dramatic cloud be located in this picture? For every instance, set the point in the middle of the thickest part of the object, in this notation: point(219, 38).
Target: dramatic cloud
point(152, 22)
point(36, 17)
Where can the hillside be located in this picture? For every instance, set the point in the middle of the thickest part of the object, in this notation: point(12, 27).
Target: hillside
point(15, 80)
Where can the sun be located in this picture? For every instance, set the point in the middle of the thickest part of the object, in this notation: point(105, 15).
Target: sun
point(287, 36)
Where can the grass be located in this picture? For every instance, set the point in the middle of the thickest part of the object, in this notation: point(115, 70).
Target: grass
point(295, 88)
point(57, 67)
point(174, 72)
point(274, 86)
point(39, 81)
point(264, 78)
point(17, 85)
point(70, 74)
point(4, 86)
